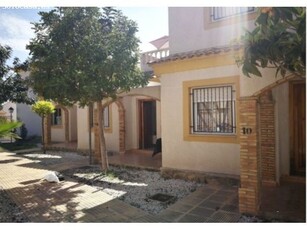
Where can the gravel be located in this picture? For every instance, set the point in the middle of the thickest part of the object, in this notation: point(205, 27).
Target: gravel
point(134, 186)
point(9, 211)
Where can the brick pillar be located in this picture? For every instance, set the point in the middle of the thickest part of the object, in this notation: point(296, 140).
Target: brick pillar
point(250, 174)
point(267, 138)
point(96, 155)
point(122, 129)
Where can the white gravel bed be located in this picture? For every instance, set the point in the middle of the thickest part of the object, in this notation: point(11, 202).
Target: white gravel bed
point(135, 186)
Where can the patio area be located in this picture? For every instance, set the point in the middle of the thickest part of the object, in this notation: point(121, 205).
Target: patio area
point(139, 158)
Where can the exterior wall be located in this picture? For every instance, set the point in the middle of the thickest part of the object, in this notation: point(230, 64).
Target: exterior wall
point(254, 85)
point(130, 101)
point(201, 156)
point(82, 124)
point(57, 134)
point(32, 121)
point(132, 120)
point(131, 124)
point(281, 98)
point(112, 135)
point(203, 34)
point(73, 124)
point(7, 114)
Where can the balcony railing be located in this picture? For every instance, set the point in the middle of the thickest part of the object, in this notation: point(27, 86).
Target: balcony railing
point(219, 13)
point(151, 56)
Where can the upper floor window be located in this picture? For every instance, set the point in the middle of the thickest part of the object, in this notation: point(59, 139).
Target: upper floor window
point(213, 110)
point(57, 117)
point(219, 13)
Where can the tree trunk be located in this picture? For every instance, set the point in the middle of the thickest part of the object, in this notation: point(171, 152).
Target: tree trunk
point(102, 141)
point(43, 134)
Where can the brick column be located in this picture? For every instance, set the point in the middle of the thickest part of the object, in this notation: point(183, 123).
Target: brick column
point(122, 129)
point(267, 138)
point(250, 175)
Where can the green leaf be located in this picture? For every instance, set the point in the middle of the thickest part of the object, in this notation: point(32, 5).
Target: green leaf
point(251, 68)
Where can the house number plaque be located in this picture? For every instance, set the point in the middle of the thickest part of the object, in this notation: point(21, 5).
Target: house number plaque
point(246, 131)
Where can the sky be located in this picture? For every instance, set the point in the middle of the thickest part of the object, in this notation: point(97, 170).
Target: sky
point(15, 25)
point(150, 16)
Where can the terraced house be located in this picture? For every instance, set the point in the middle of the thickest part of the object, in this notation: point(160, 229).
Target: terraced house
point(212, 119)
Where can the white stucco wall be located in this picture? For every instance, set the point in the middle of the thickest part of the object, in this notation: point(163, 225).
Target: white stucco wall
point(73, 123)
point(131, 125)
point(112, 138)
point(58, 134)
point(83, 131)
point(191, 155)
point(32, 121)
point(281, 98)
point(187, 30)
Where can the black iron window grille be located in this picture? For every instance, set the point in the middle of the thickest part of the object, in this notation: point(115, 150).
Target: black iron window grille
point(57, 117)
point(219, 13)
point(213, 110)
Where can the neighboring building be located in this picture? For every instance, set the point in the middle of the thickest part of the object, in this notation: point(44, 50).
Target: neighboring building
point(22, 112)
point(212, 119)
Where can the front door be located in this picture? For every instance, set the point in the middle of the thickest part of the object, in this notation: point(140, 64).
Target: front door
point(297, 128)
point(147, 130)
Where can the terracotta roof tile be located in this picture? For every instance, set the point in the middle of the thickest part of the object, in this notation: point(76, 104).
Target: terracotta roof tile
point(198, 53)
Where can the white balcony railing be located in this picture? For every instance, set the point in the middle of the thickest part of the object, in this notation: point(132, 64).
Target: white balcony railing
point(151, 56)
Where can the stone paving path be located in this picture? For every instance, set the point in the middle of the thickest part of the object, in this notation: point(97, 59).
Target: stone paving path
point(70, 201)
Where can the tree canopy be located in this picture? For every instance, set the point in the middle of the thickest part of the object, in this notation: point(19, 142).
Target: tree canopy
point(86, 54)
point(83, 55)
point(12, 87)
point(277, 41)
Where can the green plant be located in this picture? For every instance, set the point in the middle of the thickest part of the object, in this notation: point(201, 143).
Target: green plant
point(7, 128)
point(43, 109)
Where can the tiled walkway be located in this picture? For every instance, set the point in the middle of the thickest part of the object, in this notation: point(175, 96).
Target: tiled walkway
point(69, 201)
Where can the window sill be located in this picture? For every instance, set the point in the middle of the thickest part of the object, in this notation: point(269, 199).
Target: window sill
point(220, 138)
point(56, 126)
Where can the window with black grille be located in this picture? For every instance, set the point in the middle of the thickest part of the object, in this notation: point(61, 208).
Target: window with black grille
point(56, 118)
point(219, 13)
point(213, 110)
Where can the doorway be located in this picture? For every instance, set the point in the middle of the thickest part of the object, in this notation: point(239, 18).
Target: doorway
point(297, 128)
point(147, 123)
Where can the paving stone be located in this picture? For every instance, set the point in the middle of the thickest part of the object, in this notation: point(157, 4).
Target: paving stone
point(180, 207)
point(149, 219)
point(218, 198)
point(204, 212)
point(191, 219)
point(230, 208)
point(224, 217)
point(211, 204)
point(170, 215)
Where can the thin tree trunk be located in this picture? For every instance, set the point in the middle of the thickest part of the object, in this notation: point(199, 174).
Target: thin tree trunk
point(102, 141)
point(43, 134)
